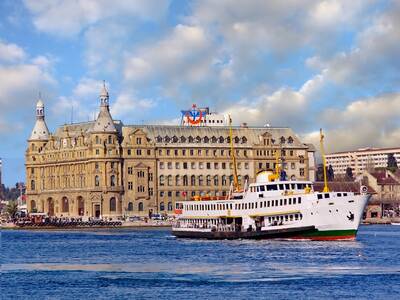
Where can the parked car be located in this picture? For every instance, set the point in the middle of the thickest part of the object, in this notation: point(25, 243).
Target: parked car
point(134, 218)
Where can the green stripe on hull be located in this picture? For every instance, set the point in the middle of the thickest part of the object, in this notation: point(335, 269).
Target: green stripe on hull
point(329, 233)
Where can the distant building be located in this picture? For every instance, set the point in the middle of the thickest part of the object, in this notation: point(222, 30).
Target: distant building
point(104, 168)
point(360, 160)
point(386, 201)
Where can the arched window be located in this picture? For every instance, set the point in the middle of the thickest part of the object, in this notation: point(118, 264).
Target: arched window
point(282, 139)
point(230, 179)
point(110, 139)
point(130, 206)
point(183, 139)
point(159, 139)
point(162, 206)
point(185, 180)
point(33, 147)
point(216, 180)
point(112, 180)
point(223, 179)
point(64, 204)
point(290, 140)
point(167, 139)
point(33, 185)
point(228, 139)
point(213, 140)
point(191, 139)
point(140, 206)
point(97, 140)
point(236, 140)
point(174, 139)
point(97, 180)
point(201, 180)
point(198, 139)
point(113, 204)
point(161, 179)
point(169, 206)
point(206, 139)
point(177, 180)
point(244, 140)
point(169, 181)
point(193, 180)
point(208, 180)
point(33, 205)
point(221, 140)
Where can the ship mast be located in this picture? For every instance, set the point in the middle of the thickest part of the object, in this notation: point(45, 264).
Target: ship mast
point(235, 176)
point(321, 141)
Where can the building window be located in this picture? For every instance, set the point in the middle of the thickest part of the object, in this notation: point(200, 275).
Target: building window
point(33, 185)
point(130, 185)
point(224, 180)
point(150, 176)
point(162, 206)
point(293, 165)
point(130, 206)
point(113, 204)
point(130, 170)
point(138, 140)
point(151, 191)
point(301, 157)
point(139, 152)
point(161, 180)
point(185, 165)
point(97, 180)
point(169, 165)
point(177, 180)
point(140, 206)
point(161, 165)
point(65, 204)
point(201, 165)
point(97, 152)
point(223, 165)
point(216, 180)
point(169, 180)
point(169, 206)
point(97, 140)
point(193, 180)
point(301, 171)
point(193, 165)
point(185, 180)
point(112, 180)
point(208, 166)
point(109, 139)
point(169, 194)
point(177, 165)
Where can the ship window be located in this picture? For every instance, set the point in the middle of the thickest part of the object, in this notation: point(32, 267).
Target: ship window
point(280, 202)
point(299, 200)
point(326, 195)
point(287, 186)
point(294, 200)
point(339, 194)
point(265, 203)
point(262, 188)
point(272, 202)
point(276, 202)
point(293, 185)
point(344, 194)
point(319, 196)
point(281, 187)
point(290, 201)
point(286, 218)
point(285, 202)
point(296, 216)
point(231, 205)
point(261, 204)
point(272, 187)
point(291, 217)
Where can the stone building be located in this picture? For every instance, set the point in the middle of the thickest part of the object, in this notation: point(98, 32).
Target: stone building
point(103, 168)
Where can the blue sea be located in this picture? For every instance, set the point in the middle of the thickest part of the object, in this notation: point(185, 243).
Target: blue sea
point(152, 264)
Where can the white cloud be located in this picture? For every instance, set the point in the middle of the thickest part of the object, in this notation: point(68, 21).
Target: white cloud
point(70, 17)
point(127, 105)
point(283, 107)
point(371, 122)
point(185, 53)
point(11, 52)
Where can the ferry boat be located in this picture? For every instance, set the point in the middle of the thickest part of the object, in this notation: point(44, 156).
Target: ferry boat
point(273, 208)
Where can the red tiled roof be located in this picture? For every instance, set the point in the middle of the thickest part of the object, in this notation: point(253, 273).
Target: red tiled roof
point(341, 186)
point(382, 178)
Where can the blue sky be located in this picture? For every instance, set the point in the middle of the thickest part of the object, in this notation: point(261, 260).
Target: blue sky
point(304, 64)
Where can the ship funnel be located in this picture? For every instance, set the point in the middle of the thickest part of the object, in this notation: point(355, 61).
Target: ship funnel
point(263, 176)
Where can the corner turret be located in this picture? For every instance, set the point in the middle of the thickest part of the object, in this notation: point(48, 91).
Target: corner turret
point(104, 122)
point(40, 130)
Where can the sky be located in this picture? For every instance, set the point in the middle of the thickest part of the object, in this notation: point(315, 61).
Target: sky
point(298, 63)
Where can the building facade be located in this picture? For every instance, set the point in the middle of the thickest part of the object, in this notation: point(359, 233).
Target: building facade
point(106, 169)
point(361, 160)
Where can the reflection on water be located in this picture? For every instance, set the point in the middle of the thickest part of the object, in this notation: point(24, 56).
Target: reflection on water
point(152, 263)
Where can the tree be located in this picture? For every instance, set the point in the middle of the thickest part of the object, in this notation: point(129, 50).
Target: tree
point(12, 209)
point(330, 173)
point(349, 174)
point(392, 163)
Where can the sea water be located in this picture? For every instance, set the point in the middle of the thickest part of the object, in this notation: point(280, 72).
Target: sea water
point(152, 264)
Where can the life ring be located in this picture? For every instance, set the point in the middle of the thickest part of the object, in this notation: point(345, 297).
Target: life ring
point(363, 189)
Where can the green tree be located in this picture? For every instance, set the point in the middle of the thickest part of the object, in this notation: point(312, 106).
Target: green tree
point(12, 209)
point(392, 163)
